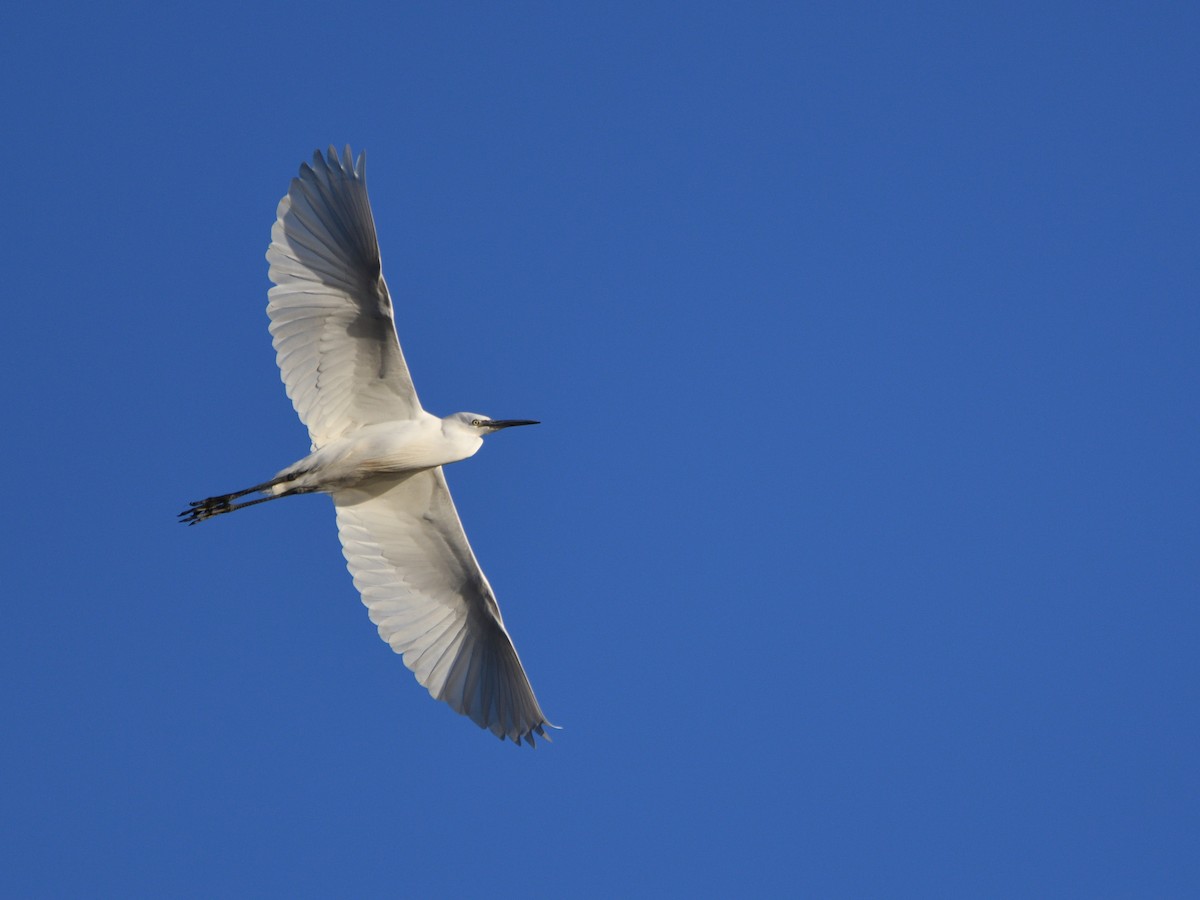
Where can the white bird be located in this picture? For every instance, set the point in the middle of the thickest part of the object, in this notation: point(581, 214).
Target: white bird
point(379, 454)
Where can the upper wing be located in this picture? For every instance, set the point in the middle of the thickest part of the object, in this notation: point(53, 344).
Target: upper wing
point(411, 562)
point(331, 316)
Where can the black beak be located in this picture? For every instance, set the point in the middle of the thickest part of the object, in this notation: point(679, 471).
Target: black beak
point(509, 423)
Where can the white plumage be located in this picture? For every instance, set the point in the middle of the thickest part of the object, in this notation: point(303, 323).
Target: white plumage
point(379, 454)
point(331, 315)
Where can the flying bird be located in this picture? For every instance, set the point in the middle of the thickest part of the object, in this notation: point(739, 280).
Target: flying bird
point(379, 454)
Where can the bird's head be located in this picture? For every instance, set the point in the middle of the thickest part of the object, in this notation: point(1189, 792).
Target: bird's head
point(481, 424)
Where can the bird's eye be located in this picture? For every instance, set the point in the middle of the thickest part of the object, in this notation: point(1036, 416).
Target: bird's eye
point(477, 422)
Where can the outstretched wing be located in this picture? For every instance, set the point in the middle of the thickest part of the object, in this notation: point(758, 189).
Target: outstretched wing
point(331, 316)
point(412, 564)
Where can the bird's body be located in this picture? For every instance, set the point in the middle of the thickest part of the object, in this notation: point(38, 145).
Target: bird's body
point(379, 454)
point(386, 448)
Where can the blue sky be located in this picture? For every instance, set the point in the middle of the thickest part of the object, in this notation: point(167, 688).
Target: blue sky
point(857, 553)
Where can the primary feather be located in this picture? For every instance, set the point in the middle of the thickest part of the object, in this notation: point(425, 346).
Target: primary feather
point(331, 314)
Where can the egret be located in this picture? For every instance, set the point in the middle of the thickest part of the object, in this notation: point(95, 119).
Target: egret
point(379, 454)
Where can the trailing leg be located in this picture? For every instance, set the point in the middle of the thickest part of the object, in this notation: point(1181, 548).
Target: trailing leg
point(199, 510)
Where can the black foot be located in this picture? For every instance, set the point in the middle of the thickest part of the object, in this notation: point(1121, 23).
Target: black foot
point(199, 510)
